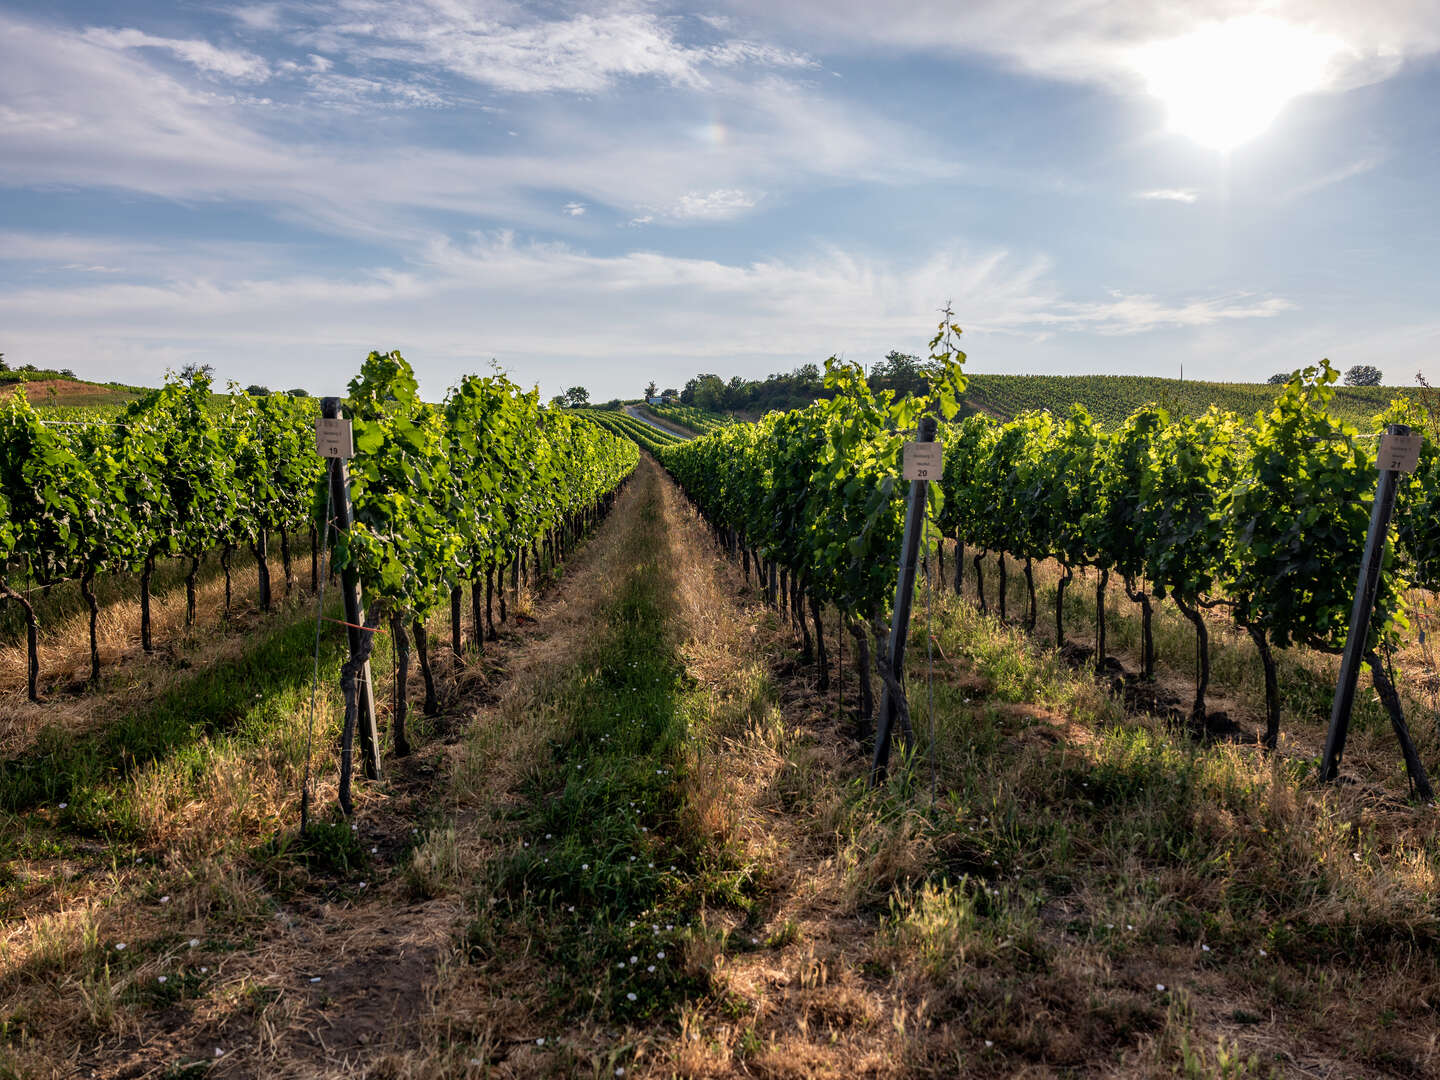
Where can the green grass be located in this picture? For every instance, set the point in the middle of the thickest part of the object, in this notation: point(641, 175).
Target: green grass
point(1111, 398)
point(603, 876)
point(240, 700)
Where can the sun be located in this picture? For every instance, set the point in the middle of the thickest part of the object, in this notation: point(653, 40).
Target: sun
point(1224, 84)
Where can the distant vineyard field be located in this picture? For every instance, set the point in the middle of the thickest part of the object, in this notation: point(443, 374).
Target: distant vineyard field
point(687, 416)
point(626, 426)
point(1111, 398)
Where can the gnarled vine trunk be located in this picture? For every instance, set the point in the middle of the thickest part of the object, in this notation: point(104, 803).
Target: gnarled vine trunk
point(1147, 636)
point(285, 560)
point(350, 687)
point(87, 590)
point(1004, 585)
point(32, 641)
point(146, 572)
point(225, 555)
point(477, 615)
point(1060, 585)
point(1100, 584)
point(824, 660)
point(1034, 615)
point(261, 547)
point(1202, 662)
point(1272, 686)
point(190, 590)
point(402, 685)
point(959, 566)
point(863, 725)
point(491, 633)
point(456, 597)
point(980, 583)
point(422, 647)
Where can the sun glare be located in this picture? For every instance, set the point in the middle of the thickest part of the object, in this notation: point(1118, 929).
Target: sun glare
point(1225, 84)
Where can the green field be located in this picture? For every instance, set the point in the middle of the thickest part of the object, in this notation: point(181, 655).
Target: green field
point(1111, 398)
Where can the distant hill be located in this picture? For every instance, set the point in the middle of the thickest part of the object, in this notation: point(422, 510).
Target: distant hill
point(45, 388)
point(1111, 398)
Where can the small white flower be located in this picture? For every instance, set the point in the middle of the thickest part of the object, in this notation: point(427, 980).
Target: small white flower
point(620, 1070)
point(634, 959)
point(194, 942)
point(1160, 987)
point(315, 978)
point(540, 1041)
point(362, 884)
point(1129, 927)
point(219, 1052)
point(374, 851)
point(584, 866)
point(988, 1044)
point(651, 968)
point(160, 978)
point(660, 955)
point(164, 899)
point(63, 805)
point(120, 946)
point(631, 996)
point(548, 836)
point(1264, 953)
point(203, 970)
point(1204, 948)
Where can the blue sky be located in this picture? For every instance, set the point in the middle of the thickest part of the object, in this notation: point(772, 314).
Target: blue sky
point(602, 194)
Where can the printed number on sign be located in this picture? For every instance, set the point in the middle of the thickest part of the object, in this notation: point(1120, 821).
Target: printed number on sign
point(1399, 453)
point(333, 438)
point(923, 460)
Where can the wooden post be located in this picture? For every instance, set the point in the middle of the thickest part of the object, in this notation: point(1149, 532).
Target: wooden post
point(355, 616)
point(1361, 613)
point(900, 620)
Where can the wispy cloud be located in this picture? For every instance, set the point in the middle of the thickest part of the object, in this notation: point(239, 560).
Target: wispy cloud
point(574, 209)
point(81, 113)
point(622, 309)
point(231, 63)
point(1180, 195)
point(711, 205)
point(1335, 176)
point(518, 53)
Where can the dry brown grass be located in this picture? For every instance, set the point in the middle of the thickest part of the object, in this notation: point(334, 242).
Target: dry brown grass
point(129, 677)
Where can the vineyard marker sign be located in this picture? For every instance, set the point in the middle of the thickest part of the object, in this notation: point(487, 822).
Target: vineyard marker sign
point(1399, 453)
point(333, 438)
point(923, 461)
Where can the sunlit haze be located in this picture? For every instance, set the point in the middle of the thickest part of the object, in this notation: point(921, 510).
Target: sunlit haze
point(1225, 84)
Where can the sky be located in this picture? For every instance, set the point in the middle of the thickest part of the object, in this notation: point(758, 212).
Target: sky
point(602, 194)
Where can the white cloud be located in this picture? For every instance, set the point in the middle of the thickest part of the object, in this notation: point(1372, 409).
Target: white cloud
point(574, 209)
point(518, 53)
point(1180, 195)
point(81, 114)
point(717, 205)
point(460, 303)
point(231, 63)
point(1096, 40)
